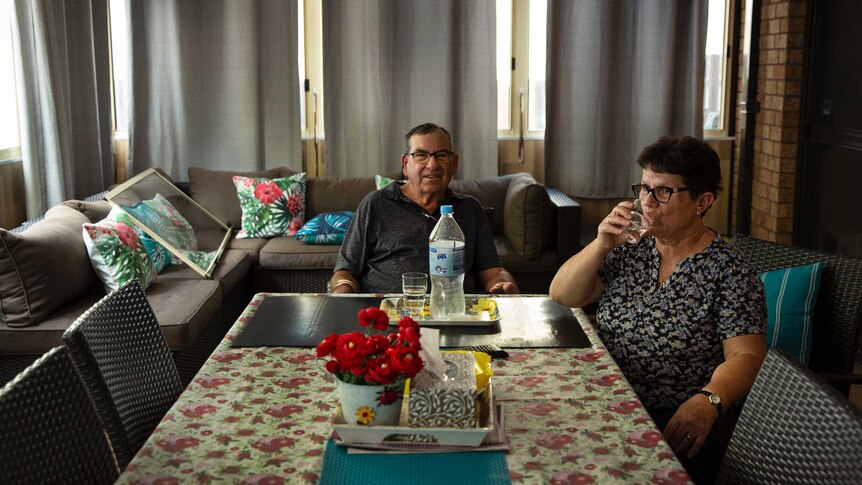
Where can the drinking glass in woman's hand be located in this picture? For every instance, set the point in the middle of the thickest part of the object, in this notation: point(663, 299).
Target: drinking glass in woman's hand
point(639, 224)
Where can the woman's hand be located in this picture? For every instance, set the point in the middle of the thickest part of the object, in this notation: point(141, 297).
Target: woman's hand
point(611, 228)
point(690, 425)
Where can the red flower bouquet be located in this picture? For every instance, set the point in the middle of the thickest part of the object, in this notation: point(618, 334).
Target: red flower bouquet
point(372, 360)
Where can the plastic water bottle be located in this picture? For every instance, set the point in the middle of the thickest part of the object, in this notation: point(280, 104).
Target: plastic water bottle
point(446, 261)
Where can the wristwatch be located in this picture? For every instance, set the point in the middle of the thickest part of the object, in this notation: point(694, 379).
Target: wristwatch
point(713, 399)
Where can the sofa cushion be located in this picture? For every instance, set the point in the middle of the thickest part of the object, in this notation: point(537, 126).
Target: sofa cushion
point(528, 216)
point(117, 254)
point(95, 211)
point(490, 192)
point(43, 267)
point(332, 195)
point(271, 208)
point(513, 262)
point(214, 190)
point(183, 308)
point(38, 339)
point(326, 228)
point(252, 246)
point(288, 253)
point(230, 270)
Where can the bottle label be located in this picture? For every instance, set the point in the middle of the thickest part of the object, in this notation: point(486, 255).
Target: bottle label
point(446, 258)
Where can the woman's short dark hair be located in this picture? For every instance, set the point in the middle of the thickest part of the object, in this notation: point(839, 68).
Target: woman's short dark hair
point(692, 159)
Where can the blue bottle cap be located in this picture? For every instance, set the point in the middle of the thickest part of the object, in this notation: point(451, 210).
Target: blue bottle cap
point(446, 209)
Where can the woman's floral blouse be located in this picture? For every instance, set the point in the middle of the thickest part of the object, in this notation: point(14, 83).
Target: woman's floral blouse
point(668, 339)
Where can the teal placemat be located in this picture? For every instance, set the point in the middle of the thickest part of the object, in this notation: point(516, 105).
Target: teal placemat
point(415, 468)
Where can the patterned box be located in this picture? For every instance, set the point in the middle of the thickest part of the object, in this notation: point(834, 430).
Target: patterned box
point(446, 403)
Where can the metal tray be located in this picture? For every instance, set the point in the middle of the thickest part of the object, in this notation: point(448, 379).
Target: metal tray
point(480, 311)
point(354, 434)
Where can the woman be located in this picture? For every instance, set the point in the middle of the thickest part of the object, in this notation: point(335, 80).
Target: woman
point(679, 310)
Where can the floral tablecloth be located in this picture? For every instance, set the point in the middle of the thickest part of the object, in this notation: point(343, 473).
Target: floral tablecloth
point(261, 415)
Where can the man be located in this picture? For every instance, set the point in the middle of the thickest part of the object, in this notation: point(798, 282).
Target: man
point(389, 235)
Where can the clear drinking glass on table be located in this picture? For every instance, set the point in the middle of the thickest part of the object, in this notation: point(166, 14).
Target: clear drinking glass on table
point(639, 224)
point(414, 286)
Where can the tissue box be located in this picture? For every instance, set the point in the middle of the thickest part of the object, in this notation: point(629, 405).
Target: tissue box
point(445, 403)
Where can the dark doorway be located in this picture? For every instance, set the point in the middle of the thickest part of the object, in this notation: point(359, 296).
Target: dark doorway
point(829, 204)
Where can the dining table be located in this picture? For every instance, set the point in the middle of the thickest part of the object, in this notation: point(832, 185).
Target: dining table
point(264, 414)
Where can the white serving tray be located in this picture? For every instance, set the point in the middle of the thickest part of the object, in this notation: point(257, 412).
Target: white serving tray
point(354, 434)
point(480, 312)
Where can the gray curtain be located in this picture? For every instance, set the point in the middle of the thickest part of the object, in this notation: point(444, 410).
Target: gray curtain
point(214, 84)
point(621, 73)
point(392, 64)
point(64, 93)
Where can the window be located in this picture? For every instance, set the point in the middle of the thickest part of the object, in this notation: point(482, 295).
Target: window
point(504, 64)
point(120, 67)
point(537, 65)
point(310, 58)
point(10, 140)
point(521, 35)
point(715, 79)
point(300, 59)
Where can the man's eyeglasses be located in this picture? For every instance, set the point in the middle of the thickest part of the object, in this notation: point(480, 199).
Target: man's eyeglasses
point(422, 157)
point(661, 193)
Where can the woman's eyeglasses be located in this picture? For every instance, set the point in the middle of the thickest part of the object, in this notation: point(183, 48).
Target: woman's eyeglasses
point(661, 193)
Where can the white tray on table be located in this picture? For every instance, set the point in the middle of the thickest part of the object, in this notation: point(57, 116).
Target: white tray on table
point(480, 312)
point(351, 434)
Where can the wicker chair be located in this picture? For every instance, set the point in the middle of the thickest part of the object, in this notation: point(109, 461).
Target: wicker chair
point(837, 312)
point(123, 359)
point(794, 428)
point(49, 430)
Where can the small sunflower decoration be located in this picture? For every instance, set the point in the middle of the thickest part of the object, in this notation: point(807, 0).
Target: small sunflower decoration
point(364, 415)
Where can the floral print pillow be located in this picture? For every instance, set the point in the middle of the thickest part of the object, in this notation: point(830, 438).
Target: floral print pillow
point(159, 254)
point(327, 228)
point(271, 207)
point(159, 215)
point(117, 254)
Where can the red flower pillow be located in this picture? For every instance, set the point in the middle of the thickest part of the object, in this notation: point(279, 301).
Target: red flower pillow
point(271, 207)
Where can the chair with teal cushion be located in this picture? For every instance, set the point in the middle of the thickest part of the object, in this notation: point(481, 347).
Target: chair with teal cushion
point(790, 297)
point(837, 319)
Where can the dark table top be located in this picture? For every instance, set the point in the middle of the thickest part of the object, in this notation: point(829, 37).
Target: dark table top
point(303, 320)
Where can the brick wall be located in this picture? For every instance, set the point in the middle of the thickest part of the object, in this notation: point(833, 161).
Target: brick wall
point(779, 89)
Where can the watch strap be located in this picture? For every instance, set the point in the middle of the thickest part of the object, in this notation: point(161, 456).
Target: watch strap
point(716, 402)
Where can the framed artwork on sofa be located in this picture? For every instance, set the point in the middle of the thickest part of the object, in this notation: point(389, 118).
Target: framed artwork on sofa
point(170, 218)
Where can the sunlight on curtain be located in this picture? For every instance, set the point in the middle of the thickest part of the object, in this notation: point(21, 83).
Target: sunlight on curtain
point(9, 136)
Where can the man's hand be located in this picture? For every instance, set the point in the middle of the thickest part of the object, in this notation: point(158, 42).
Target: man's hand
point(506, 287)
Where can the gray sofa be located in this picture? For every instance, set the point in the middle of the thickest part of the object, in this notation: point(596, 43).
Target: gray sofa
point(46, 280)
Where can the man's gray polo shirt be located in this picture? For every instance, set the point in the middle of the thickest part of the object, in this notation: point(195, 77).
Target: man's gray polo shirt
point(389, 236)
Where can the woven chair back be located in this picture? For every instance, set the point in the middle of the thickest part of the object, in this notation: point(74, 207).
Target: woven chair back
point(126, 364)
point(49, 430)
point(838, 310)
point(794, 428)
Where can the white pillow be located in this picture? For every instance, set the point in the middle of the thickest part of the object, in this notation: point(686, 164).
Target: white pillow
point(117, 254)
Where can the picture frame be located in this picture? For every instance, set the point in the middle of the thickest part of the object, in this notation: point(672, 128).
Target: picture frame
point(167, 214)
